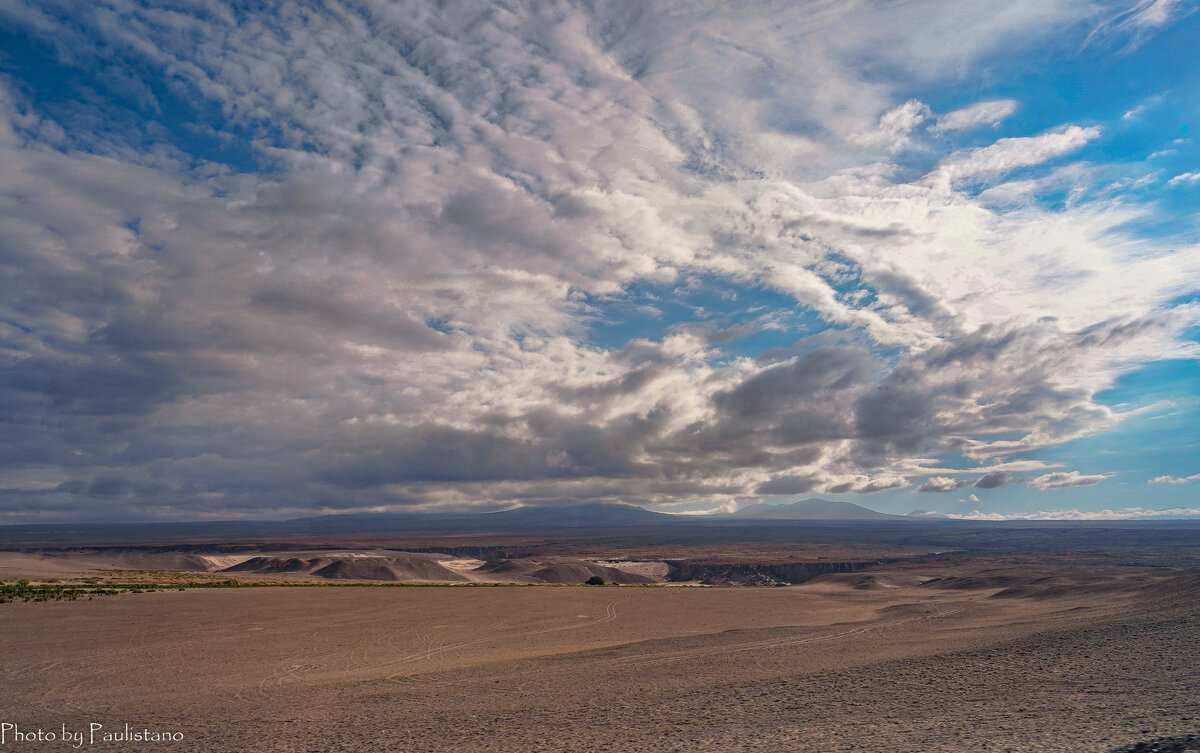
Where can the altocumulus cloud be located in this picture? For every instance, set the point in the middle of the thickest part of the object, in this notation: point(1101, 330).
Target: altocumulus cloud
point(357, 258)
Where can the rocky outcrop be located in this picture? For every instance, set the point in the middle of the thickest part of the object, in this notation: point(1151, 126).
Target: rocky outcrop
point(1185, 744)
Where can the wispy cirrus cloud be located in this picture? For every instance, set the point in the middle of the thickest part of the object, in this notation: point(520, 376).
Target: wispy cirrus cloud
point(1135, 21)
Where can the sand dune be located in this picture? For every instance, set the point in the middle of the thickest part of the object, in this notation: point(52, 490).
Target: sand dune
point(352, 567)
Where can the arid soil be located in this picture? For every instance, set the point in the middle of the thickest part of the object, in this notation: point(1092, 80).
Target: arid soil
point(1009, 658)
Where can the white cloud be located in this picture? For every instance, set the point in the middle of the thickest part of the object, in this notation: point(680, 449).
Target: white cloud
point(1175, 479)
point(1012, 153)
point(895, 126)
point(1184, 178)
point(728, 506)
point(981, 113)
point(1131, 183)
point(1124, 513)
point(941, 484)
point(1061, 480)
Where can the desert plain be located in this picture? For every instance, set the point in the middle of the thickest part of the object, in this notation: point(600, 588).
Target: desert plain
point(1088, 651)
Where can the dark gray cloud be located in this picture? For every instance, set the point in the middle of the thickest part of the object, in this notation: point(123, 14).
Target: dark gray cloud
point(789, 485)
point(993, 480)
point(909, 294)
point(804, 381)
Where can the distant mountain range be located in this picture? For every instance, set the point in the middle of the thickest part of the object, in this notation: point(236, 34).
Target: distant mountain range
point(618, 522)
point(592, 514)
point(570, 516)
point(813, 509)
point(576, 516)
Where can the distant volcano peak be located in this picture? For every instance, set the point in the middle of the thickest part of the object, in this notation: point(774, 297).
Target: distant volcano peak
point(813, 509)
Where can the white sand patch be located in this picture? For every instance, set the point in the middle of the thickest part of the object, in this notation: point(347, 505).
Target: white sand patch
point(222, 561)
point(648, 568)
point(461, 565)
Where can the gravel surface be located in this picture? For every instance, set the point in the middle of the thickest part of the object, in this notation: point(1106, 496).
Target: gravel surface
point(628, 669)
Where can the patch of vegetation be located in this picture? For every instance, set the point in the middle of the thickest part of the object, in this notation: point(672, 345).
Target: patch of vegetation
point(136, 581)
point(91, 587)
point(11, 592)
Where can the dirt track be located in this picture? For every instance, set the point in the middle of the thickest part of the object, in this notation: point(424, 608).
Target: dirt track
point(825, 667)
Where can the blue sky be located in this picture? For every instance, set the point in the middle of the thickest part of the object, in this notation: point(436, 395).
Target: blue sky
point(294, 257)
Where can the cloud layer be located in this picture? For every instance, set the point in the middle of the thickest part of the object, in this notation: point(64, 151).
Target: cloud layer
point(356, 257)
point(1124, 513)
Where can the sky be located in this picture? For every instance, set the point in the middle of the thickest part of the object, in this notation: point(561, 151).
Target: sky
point(266, 260)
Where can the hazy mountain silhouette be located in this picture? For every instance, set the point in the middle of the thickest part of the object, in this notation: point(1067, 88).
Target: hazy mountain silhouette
point(590, 514)
point(814, 509)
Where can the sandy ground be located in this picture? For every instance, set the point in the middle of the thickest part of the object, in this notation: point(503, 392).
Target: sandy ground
point(837, 665)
